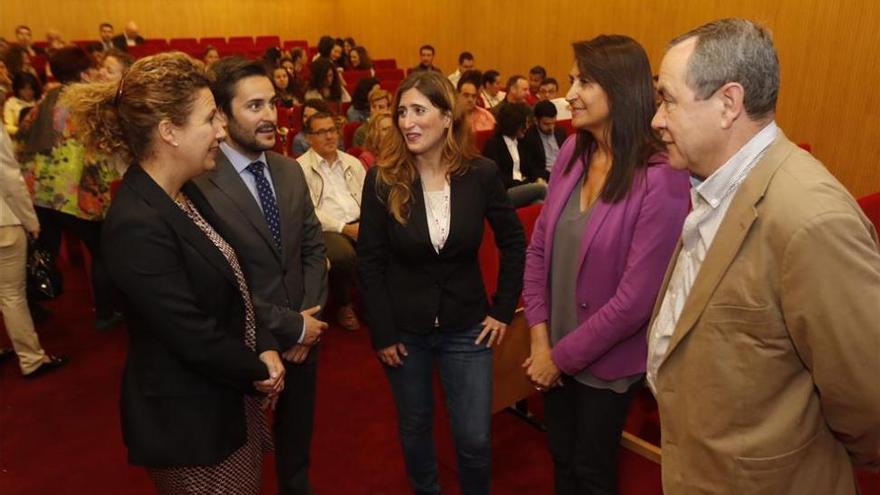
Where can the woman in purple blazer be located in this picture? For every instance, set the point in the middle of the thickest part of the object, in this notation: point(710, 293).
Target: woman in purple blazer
point(610, 222)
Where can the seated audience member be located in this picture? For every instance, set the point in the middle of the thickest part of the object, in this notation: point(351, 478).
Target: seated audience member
point(537, 74)
point(18, 221)
point(465, 63)
point(210, 56)
point(359, 59)
point(522, 176)
point(310, 107)
point(336, 54)
point(54, 41)
point(130, 37)
point(479, 118)
point(517, 92)
point(335, 181)
point(544, 139)
point(281, 81)
point(24, 39)
point(359, 111)
point(5, 79)
point(115, 64)
point(490, 92)
point(295, 63)
point(325, 46)
point(272, 56)
point(426, 59)
point(380, 101)
point(548, 89)
point(379, 126)
point(325, 84)
point(348, 45)
point(296, 86)
point(105, 43)
point(25, 94)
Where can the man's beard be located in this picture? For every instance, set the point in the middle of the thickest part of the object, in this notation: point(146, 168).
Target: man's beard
point(248, 139)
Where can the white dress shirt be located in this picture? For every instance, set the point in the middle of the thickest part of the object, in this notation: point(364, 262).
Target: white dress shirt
point(710, 201)
point(551, 149)
point(514, 154)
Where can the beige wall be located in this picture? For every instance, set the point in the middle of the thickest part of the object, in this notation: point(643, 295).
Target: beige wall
point(828, 49)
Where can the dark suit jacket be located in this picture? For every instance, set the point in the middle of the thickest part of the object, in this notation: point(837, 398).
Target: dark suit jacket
point(119, 41)
point(282, 282)
point(535, 147)
point(187, 367)
point(406, 284)
point(496, 150)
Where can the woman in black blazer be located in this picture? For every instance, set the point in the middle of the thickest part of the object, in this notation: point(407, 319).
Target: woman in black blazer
point(522, 175)
point(196, 359)
point(422, 216)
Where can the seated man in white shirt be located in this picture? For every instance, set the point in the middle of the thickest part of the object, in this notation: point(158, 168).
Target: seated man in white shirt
point(491, 93)
point(465, 63)
point(549, 91)
point(335, 180)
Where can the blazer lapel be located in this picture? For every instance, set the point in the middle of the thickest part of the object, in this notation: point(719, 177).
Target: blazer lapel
point(225, 178)
point(179, 221)
point(731, 233)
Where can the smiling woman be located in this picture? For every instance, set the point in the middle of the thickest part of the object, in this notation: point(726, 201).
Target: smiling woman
point(424, 207)
point(195, 349)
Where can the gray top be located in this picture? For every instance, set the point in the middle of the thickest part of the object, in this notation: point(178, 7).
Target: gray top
point(564, 271)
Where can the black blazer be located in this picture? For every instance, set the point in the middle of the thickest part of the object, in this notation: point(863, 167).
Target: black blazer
point(285, 282)
point(187, 367)
point(535, 147)
point(119, 41)
point(406, 284)
point(496, 150)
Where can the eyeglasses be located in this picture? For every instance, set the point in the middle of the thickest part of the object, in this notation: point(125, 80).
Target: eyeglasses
point(325, 132)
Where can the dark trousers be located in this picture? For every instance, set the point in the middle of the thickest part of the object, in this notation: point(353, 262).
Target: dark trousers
point(341, 251)
point(583, 429)
point(294, 420)
point(52, 223)
point(466, 374)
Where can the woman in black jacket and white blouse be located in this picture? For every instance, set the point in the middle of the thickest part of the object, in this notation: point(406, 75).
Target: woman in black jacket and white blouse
point(422, 218)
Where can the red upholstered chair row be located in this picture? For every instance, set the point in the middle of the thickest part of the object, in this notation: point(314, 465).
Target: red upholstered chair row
point(871, 206)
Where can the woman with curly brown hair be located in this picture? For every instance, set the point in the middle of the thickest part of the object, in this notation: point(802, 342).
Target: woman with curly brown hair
point(422, 214)
point(196, 358)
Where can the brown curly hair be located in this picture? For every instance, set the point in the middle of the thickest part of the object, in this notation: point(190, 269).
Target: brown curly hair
point(121, 118)
point(396, 163)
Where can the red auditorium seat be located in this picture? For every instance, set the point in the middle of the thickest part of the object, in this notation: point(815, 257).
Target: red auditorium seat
point(384, 63)
point(180, 43)
point(348, 133)
point(353, 76)
point(480, 138)
point(289, 44)
point(213, 41)
point(566, 124)
point(266, 42)
point(390, 85)
point(245, 40)
point(871, 206)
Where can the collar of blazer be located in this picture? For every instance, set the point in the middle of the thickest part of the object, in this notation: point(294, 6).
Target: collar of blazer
point(731, 234)
point(227, 180)
point(180, 223)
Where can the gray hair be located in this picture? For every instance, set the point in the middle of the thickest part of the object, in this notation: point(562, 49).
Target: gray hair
point(734, 50)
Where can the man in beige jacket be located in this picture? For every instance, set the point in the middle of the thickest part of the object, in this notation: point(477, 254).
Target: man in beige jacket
point(17, 220)
point(764, 349)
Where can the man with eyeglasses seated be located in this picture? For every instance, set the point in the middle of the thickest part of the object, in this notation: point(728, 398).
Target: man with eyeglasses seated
point(335, 181)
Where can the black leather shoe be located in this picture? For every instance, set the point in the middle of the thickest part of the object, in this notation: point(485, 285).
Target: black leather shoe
point(54, 363)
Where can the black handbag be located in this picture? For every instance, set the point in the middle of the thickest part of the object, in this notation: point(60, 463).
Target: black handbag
point(44, 281)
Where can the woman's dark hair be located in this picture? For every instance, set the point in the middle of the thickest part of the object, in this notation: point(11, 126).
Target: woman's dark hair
point(272, 56)
point(360, 99)
point(350, 42)
point(318, 78)
point(620, 66)
point(21, 80)
point(366, 62)
point(325, 46)
point(512, 117)
point(69, 63)
point(14, 58)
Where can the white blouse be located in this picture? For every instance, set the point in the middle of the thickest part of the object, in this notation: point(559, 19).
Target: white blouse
point(438, 213)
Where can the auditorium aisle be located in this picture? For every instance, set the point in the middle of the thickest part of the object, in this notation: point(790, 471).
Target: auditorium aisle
point(60, 434)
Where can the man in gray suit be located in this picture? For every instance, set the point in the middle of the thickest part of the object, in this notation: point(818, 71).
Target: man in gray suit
point(270, 222)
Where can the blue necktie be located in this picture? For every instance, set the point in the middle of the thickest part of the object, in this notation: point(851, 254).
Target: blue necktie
point(267, 201)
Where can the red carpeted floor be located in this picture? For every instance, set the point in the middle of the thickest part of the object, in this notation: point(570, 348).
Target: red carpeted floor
point(60, 434)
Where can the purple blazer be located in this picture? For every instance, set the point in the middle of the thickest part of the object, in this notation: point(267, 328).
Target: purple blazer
point(624, 253)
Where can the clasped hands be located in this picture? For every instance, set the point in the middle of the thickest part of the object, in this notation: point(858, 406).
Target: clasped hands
point(539, 366)
point(314, 327)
